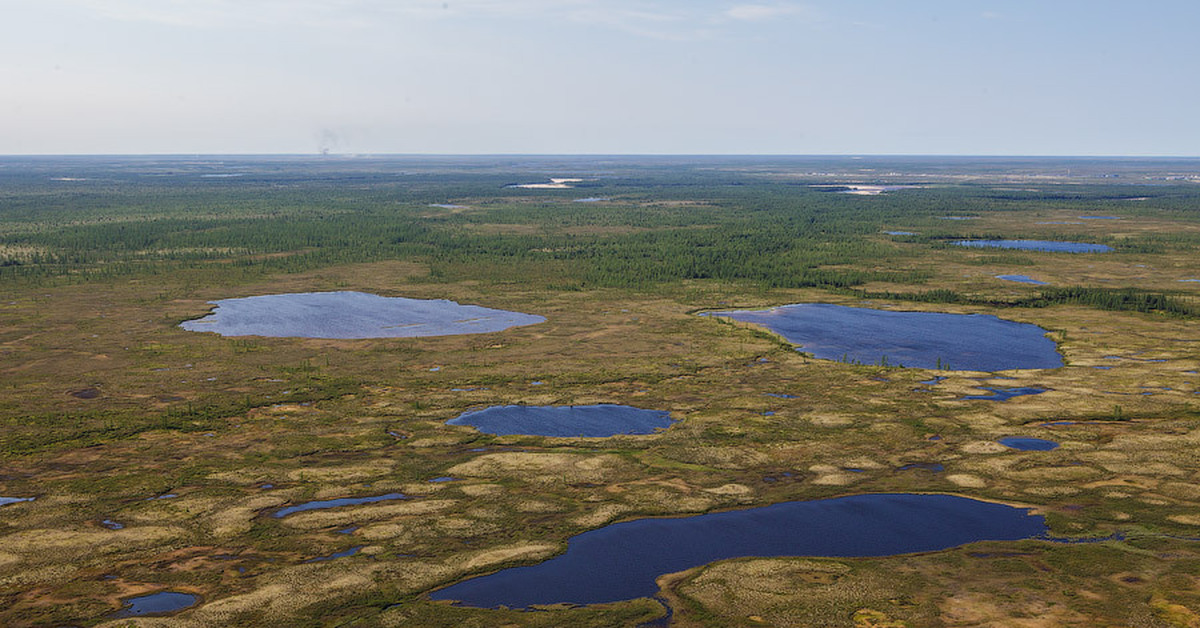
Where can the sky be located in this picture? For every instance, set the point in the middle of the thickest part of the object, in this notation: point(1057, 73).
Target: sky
point(942, 77)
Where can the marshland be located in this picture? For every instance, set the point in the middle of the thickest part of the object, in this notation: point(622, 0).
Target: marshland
point(298, 466)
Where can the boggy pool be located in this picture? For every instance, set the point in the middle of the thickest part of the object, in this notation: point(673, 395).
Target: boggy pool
point(1037, 245)
point(348, 315)
point(159, 603)
point(587, 421)
point(621, 561)
point(961, 342)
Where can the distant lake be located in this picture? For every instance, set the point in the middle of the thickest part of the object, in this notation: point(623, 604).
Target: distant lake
point(621, 561)
point(352, 315)
point(588, 421)
point(1021, 279)
point(1037, 245)
point(961, 342)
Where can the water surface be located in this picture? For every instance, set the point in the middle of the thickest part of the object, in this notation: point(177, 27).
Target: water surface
point(1028, 444)
point(621, 561)
point(157, 603)
point(1004, 394)
point(1021, 279)
point(931, 340)
point(348, 315)
point(1036, 245)
point(336, 503)
point(589, 421)
point(4, 501)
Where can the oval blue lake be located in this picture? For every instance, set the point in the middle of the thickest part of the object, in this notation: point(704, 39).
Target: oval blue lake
point(588, 421)
point(621, 561)
point(1023, 443)
point(336, 503)
point(156, 603)
point(1021, 279)
point(348, 315)
point(1004, 394)
point(1037, 245)
point(930, 340)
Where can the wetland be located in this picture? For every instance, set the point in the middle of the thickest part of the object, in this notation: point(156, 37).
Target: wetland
point(311, 478)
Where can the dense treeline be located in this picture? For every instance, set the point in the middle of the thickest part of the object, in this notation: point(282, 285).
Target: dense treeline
point(1116, 299)
point(671, 219)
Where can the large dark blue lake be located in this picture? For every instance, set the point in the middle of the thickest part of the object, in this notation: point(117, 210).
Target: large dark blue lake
point(1037, 245)
point(961, 342)
point(590, 421)
point(621, 561)
point(347, 315)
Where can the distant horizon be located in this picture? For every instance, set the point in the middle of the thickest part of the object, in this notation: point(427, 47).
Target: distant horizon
point(585, 155)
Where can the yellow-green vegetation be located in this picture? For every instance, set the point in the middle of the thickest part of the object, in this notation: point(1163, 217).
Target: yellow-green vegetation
point(107, 404)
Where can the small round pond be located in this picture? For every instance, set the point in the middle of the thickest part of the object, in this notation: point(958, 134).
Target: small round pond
point(348, 315)
point(1037, 245)
point(587, 421)
point(931, 340)
point(621, 561)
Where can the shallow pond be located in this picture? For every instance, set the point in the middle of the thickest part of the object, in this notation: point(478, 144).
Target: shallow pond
point(934, 467)
point(931, 340)
point(589, 421)
point(621, 561)
point(1023, 443)
point(342, 554)
point(4, 501)
point(352, 315)
point(1004, 394)
point(1021, 279)
point(157, 603)
point(1036, 245)
point(904, 233)
point(336, 503)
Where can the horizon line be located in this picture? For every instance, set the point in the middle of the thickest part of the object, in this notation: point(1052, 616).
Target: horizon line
point(485, 154)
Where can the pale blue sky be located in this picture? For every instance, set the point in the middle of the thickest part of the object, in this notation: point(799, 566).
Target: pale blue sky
point(1044, 77)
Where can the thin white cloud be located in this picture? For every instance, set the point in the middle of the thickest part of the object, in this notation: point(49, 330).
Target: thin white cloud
point(666, 21)
point(760, 12)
